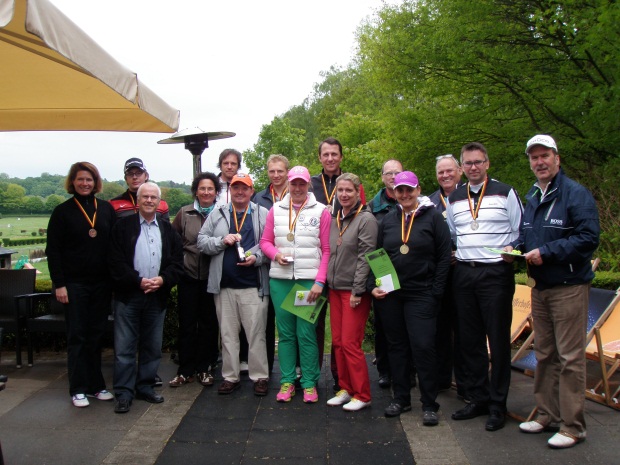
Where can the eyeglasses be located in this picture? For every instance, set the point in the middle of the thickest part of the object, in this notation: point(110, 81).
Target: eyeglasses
point(391, 173)
point(476, 163)
point(134, 174)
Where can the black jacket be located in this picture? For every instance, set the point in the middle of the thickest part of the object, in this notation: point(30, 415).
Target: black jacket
point(125, 278)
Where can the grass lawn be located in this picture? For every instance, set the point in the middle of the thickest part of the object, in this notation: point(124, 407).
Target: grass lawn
point(16, 227)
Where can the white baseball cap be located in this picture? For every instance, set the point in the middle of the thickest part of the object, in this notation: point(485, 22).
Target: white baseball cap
point(541, 139)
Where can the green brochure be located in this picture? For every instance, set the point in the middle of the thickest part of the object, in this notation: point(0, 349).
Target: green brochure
point(381, 266)
point(296, 303)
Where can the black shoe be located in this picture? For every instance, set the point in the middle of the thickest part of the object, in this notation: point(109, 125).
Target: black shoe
point(396, 408)
point(4, 378)
point(430, 418)
point(158, 382)
point(384, 381)
point(470, 411)
point(151, 397)
point(496, 421)
point(122, 405)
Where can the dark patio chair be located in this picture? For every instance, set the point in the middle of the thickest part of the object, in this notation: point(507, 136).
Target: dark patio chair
point(13, 319)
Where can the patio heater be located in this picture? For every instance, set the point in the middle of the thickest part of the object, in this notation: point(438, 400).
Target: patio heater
point(196, 141)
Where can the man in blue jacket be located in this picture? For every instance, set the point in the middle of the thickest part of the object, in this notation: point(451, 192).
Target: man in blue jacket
point(559, 233)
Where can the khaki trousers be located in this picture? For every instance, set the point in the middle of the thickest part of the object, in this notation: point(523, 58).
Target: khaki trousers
point(560, 320)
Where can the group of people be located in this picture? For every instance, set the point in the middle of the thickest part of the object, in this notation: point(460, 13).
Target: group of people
point(241, 258)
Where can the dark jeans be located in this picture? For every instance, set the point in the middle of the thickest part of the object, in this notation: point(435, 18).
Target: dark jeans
point(483, 296)
point(410, 321)
point(138, 328)
point(198, 327)
point(86, 316)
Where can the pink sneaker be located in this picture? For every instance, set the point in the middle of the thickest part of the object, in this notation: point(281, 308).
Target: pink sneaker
point(310, 395)
point(287, 390)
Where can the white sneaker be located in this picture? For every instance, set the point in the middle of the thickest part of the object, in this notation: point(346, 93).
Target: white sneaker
point(355, 405)
point(102, 395)
point(80, 400)
point(341, 397)
point(564, 440)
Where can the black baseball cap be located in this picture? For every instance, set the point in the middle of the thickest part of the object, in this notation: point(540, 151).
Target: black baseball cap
point(134, 163)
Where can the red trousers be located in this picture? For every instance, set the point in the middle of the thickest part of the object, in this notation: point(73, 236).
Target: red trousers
point(348, 325)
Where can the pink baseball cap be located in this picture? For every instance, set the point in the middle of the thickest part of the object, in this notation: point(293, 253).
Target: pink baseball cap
point(299, 172)
point(406, 178)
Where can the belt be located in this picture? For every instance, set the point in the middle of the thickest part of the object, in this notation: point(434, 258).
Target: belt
point(481, 264)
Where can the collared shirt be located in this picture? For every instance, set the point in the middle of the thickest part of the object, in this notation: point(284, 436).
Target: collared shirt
point(147, 257)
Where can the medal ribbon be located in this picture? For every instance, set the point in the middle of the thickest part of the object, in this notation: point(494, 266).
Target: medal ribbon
point(291, 223)
point(92, 223)
point(474, 214)
point(340, 230)
point(402, 226)
point(327, 196)
point(274, 193)
point(443, 200)
point(237, 227)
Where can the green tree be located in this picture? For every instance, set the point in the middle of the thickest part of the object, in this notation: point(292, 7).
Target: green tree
point(110, 190)
point(276, 137)
point(175, 198)
point(52, 202)
point(34, 204)
point(11, 197)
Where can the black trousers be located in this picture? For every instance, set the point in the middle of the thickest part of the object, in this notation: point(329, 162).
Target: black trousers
point(410, 321)
point(483, 296)
point(198, 327)
point(86, 316)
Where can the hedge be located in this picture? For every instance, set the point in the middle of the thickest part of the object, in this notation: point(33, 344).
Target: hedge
point(25, 241)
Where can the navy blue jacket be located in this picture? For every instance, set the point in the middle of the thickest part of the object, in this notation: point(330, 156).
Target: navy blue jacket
point(565, 227)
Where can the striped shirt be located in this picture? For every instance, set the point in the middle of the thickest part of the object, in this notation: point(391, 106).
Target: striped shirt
point(498, 221)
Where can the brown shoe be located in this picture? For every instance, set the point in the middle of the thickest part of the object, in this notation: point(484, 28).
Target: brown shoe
point(227, 387)
point(261, 387)
point(206, 378)
point(180, 380)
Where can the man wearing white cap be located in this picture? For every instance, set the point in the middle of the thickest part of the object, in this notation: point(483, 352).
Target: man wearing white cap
point(559, 233)
point(484, 213)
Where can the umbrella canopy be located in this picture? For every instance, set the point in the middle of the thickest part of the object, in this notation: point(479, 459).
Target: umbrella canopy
point(53, 77)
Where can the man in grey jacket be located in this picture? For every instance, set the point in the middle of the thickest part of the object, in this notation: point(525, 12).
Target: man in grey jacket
point(238, 278)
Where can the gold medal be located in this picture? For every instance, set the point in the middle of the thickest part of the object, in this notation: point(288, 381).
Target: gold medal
point(445, 214)
point(531, 282)
point(474, 225)
point(92, 232)
point(474, 213)
point(404, 249)
point(290, 237)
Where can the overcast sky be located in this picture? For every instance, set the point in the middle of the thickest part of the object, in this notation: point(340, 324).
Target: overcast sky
point(227, 66)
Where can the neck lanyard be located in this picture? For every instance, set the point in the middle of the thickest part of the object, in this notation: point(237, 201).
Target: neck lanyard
point(327, 196)
point(237, 226)
point(340, 230)
point(474, 213)
point(291, 223)
point(404, 249)
point(274, 193)
point(92, 232)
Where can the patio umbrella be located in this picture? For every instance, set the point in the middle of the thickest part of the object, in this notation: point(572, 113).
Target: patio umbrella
point(53, 77)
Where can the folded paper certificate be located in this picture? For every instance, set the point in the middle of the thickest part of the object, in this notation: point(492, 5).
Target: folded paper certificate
point(296, 302)
point(382, 268)
point(385, 283)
